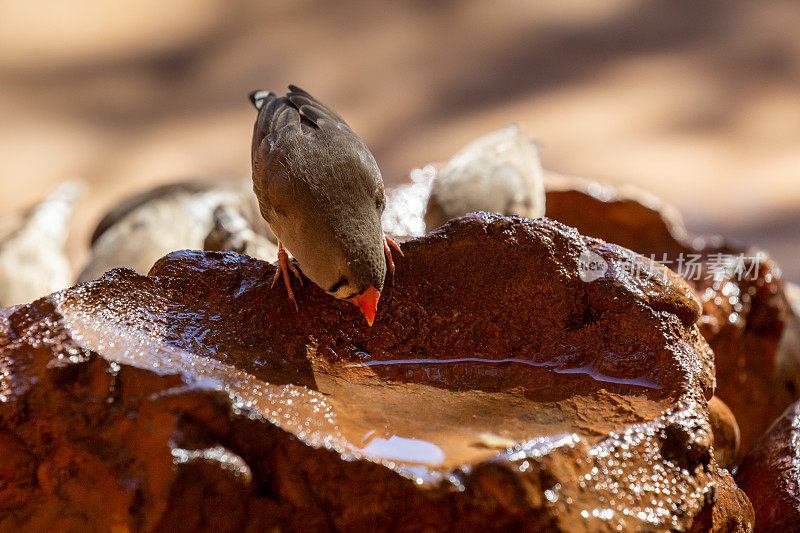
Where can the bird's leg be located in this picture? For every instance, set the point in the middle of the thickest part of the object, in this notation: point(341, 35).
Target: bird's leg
point(388, 240)
point(388, 244)
point(284, 266)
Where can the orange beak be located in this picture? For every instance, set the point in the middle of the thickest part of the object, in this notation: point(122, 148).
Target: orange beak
point(368, 303)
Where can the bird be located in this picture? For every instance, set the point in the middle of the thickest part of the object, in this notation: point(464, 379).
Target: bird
point(321, 193)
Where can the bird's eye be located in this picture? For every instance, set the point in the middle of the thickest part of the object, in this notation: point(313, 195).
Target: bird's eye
point(339, 284)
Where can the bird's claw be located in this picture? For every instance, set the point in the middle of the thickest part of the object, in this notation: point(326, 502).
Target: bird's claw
point(391, 242)
point(284, 266)
point(388, 244)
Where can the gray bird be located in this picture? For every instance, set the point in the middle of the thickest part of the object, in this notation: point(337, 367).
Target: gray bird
point(321, 193)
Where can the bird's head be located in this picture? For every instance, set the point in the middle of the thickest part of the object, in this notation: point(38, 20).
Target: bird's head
point(344, 251)
point(356, 266)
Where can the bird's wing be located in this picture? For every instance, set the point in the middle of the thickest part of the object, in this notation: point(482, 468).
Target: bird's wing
point(297, 112)
point(277, 139)
point(293, 135)
point(315, 112)
point(275, 115)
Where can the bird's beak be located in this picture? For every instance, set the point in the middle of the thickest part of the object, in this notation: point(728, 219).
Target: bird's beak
point(368, 303)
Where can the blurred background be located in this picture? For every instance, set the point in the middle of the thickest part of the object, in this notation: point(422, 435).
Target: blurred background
point(697, 101)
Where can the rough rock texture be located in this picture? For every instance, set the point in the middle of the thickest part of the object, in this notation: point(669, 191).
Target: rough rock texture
point(748, 322)
point(514, 395)
point(770, 474)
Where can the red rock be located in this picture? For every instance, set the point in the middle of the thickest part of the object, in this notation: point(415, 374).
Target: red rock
point(770, 476)
point(496, 391)
point(727, 436)
point(745, 320)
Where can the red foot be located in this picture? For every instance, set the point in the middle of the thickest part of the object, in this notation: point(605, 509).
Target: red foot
point(388, 244)
point(284, 266)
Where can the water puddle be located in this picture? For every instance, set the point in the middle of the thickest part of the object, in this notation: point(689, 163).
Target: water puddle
point(440, 418)
point(404, 449)
point(588, 370)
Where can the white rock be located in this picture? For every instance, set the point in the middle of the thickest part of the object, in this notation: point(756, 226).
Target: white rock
point(234, 231)
point(146, 227)
point(405, 205)
point(497, 173)
point(33, 262)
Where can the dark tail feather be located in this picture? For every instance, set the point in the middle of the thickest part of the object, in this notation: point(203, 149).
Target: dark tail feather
point(259, 97)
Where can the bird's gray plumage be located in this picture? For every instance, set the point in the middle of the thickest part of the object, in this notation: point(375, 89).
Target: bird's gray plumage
point(320, 191)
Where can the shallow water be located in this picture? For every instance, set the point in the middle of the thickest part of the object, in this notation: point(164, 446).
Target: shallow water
point(487, 364)
point(361, 413)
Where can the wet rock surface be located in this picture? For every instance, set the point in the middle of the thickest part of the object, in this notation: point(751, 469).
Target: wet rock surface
point(510, 395)
point(770, 474)
point(747, 318)
point(727, 437)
